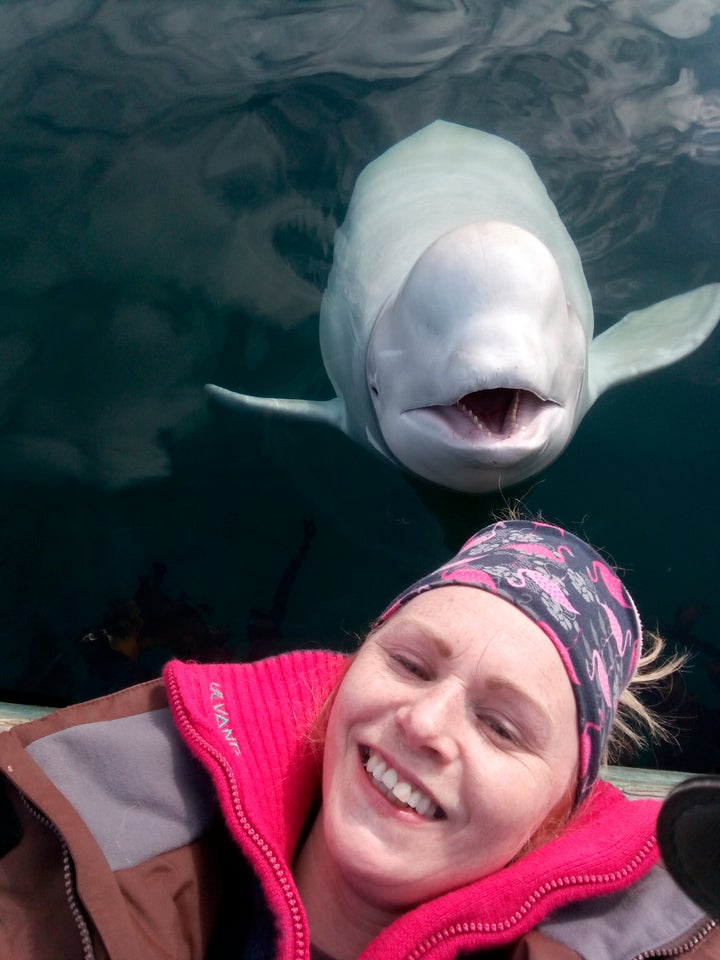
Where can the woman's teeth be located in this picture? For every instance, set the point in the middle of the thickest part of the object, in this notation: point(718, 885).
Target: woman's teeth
point(399, 791)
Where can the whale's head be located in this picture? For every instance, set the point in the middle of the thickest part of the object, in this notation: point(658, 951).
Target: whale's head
point(476, 368)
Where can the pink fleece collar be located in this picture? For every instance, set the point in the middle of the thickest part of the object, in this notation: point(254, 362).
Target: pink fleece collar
point(251, 725)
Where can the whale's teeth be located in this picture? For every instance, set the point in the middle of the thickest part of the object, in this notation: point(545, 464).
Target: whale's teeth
point(468, 413)
point(514, 409)
point(501, 411)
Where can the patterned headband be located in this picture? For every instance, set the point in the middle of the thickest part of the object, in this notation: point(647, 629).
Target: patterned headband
point(571, 593)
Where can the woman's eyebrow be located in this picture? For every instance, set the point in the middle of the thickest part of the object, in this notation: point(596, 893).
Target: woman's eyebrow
point(441, 645)
point(438, 641)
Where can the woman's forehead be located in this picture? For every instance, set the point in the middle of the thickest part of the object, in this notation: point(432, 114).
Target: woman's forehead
point(472, 609)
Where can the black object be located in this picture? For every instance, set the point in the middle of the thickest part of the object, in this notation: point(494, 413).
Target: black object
point(10, 828)
point(689, 836)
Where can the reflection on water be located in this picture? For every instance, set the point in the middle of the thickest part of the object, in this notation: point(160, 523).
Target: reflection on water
point(171, 175)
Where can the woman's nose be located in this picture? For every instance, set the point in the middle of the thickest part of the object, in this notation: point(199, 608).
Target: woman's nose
point(430, 720)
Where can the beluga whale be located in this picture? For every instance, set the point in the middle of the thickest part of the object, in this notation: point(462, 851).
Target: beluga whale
point(457, 325)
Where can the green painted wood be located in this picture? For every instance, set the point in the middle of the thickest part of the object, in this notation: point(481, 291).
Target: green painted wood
point(12, 713)
point(641, 782)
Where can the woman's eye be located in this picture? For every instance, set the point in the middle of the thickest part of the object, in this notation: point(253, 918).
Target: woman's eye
point(409, 666)
point(499, 729)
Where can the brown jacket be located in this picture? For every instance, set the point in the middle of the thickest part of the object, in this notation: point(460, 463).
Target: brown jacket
point(127, 857)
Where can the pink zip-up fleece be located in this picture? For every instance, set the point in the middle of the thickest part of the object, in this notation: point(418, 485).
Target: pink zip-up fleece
point(255, 728)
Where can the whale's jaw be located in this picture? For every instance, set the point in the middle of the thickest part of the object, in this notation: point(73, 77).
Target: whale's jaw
point(502, 425)
point(484, 439)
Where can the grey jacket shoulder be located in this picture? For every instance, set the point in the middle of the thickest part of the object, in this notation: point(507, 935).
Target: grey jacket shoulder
point(133, 782)
point(117, 824)
point(653, 917)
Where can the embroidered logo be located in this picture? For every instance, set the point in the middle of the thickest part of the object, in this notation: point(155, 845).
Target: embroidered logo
point(222, 717)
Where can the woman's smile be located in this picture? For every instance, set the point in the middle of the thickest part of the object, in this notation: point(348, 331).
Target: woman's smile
point(403, 793)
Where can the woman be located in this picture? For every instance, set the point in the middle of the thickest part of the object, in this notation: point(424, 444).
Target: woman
point(436, 795)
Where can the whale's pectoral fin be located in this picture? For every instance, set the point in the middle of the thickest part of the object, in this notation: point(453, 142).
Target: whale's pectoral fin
point(331, 412)
point(648, 339)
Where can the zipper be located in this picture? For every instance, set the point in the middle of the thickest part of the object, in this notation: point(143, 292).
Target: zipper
point(301, 947)
point(508, 923)
point(68, 879)
point(705, 927)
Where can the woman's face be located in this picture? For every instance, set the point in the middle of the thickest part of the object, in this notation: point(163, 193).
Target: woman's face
point(461, 704)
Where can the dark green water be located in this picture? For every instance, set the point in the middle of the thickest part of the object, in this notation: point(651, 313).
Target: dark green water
point(171, 175)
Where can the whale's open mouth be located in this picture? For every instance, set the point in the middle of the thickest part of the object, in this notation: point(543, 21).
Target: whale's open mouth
point(497, 414)
point(494, 410)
